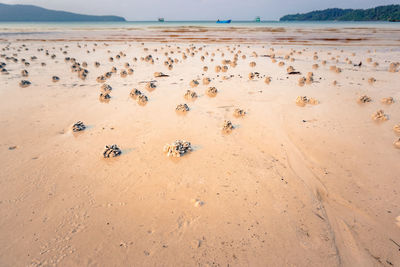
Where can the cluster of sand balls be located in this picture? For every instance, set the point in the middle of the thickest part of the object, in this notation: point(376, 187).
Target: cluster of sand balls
point(227, 127)
point(239, 112)
point(212, 91)
point(225, 66)
point(380, 116)
point(177, 148)
point(140, 98)
point(182, 108)
point(24, 83)
point(78, 126)
point(111, 151)
point(105, 92)
point(190, 95)
point(304, 100)
point(364, 99)
point(78, 68)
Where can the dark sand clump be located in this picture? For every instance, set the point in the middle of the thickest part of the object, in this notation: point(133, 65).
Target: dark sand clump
point(142, 100)
point(177, 148)
point(24, 83)
point(190, 95)
point(212, 91)
point(227, 127)
point(304, 100)
point(364, 99)
point(182, 108)
point(111, 151)
point(79, 126)
point(380, 116)
point(135, 93)
point(239, 112)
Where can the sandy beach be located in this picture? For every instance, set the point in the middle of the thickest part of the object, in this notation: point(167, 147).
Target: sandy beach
point(305, 174)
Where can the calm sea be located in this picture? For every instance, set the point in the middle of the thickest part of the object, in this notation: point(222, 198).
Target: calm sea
point(40, 26)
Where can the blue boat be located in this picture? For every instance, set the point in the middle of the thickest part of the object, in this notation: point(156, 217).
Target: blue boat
point(224, 21)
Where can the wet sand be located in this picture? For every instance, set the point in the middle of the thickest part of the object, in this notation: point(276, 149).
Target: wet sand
point(289, 185)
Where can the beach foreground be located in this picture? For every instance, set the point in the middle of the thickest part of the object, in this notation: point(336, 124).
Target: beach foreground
point(296, 182)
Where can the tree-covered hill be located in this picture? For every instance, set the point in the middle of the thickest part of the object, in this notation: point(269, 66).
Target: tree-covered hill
point(380, 13)
point(29, 13)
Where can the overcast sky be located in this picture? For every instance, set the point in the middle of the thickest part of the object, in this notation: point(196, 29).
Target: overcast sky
point(198, 9)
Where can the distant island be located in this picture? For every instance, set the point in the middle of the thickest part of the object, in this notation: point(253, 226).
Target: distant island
point(29, 13)
point(380, 13)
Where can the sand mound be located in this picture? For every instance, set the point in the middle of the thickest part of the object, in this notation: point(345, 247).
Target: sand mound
point(24, 73)
point(212, 91)
point(310, 78)
point(252, 64)
point(123, 73)
point(24, 83)
point(142, 100)
point(291, 71)
point(55, 79)
point(111, 151)
point(268, 80)
point(380, 116)
point(364, 99)
point(79, 126)
point(227, 127)
point(396, 128)
point(4, 71)
point(253, 75)
point(206, 80)
point(182, 108)
point(239, 112)
point(177, 148)
point(371, 80)
point(302, 81)
point(150, 86)
point(393, 66)
point(105, 88)
point(135, 93)
point(101, 79)
point(160, 75)
point(387, 100)
point(335, 69)
point(104, 97)
point(397, 144)
point(190, 95)
point(194, 83)
point(303, 100)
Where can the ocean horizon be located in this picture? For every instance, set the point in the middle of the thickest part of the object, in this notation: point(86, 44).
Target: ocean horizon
point(200, 23)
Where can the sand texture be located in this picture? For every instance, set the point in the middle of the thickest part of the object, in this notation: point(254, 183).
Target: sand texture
point(315, 184)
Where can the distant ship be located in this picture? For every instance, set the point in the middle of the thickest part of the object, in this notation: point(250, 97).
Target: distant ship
point(160, 19)
point(257, 19)
point(224, 21)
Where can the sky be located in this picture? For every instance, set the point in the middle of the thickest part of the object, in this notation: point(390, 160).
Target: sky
point(198, 9)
